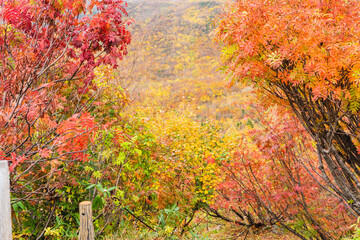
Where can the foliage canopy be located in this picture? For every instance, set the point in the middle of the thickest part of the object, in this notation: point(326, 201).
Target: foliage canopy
point(306, 53)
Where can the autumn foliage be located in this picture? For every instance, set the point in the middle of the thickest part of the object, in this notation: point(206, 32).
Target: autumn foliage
point(306, 54)
point(48, 52)
point(156, 142)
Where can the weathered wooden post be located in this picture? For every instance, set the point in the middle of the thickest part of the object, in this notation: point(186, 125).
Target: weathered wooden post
point(86, 223)
point(5, 207)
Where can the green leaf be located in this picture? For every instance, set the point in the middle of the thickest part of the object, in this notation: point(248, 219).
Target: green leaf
point(90, 186)
point(100, 188)
point(110, 189)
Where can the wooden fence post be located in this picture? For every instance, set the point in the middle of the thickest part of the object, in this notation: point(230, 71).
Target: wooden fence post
point(5, 207)
point(86, 223)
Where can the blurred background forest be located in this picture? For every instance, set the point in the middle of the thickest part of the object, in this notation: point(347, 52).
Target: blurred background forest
point(173, 51)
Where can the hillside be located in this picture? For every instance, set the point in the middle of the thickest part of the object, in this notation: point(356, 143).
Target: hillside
point(173, 50)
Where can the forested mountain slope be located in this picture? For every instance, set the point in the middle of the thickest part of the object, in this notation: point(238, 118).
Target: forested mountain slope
point(173, 50)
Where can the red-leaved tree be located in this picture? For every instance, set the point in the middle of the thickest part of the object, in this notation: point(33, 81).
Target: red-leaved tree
point(48, 51)
point(272, 179)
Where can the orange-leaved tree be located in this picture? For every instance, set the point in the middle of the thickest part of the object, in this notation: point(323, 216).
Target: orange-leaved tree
point(306, 54)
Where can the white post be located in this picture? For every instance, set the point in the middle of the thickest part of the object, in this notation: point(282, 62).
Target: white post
point(5, 207)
